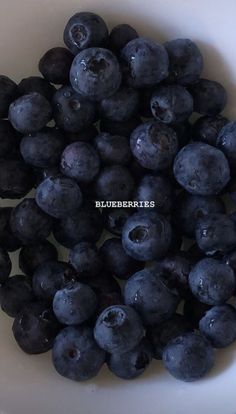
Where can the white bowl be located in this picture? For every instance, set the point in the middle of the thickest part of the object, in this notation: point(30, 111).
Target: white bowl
point(29, 384)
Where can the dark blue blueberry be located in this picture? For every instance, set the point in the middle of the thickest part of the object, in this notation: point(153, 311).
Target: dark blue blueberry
point(80, 161)
point(190, 208)
point(85, 259)
point(201, 169)
point(36, 84)
point(145, 62)
point(216, 233)
point(15, 293)
point(58, 196)
point(115, 218)
point(146, 235)
point(120, 35)
point(72, 112)
point(212, 281)
point(226, 141)
point(188, 357)
point(113, 149)
point(35, 328)
point(123, 128)
point(116, 261)
point(43, 149)
point(30, 113)
point(16, 179)
point(51, 276)
point(7, 238)
point(8, 93)
point(84, 225)
point(218, 325)
point(159, 335)
point(114, 183)
point(186, 61)
point(75, 354)
point(118, 329)
point(32, 256)
point(209, 97)
point(171, 104)
point(194, 311)
point(85, 30)
point(5, 265)
point(74, 304)
point(29, 223)
point(9, 139)
point(207, 128)
point(131, 364)
point(55, 65)
point(146, 292)
point(121, 106)
point(157, 189)
point(95, 73)
point(154, 145)
point(85, 135)
point(107, 289)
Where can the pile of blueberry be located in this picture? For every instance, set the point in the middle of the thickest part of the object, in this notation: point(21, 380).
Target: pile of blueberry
point(121, 106)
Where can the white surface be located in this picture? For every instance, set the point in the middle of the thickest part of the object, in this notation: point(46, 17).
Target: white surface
point(29, 385)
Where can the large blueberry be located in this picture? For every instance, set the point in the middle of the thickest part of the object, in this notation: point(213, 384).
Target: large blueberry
point(157, 189)
point(209, 97)
point(55, 65)
point(207, 128)
point(120, 35)
point(113, 149)
point(33, 255)
point(85, 259)
point(121, 106)
point(36, 84)
point(114, 183)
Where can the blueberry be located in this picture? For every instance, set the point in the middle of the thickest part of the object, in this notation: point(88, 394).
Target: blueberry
point(84, 225)
point(9, 139)
point(226, 142)
point(80, 161)
point(207, 128)
point(216, 233)
point(113, 149)
point(123, 128)
point(201, 169)
point(95, 73)
point(5, 265)
point(72, 112)
point(107, 289)
point(16, 179)
point(36, 84)
point(120, 35)
point(188, 357)
point(121, 106)
point(74, 304)
point(32, 256)
point(55, 65)
point(58, 196)
point(194, 310)
point(131, 364)
point(154, 145)
point(85, 30)
point(29, 223)
point(8, 93)
point(175, 271)
point(7, 238)
point(75, 354)
point(159, 335)
point(171, 104)
point(115, 218)
point(116, 261)
point(157, 189)
point(85, 135)
point(212, 282)
point(218, 325)
point(114, 183)
point(85, 259)
point(15, 293)
point(30, 113)
point(209, 97)
point(51, 276)
point(43, 149)
point(190, 208)
point(146, 292)
point(145, 62)
point(118, 329)
point(186, 61)
point(146, 236)
point(35, 328)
